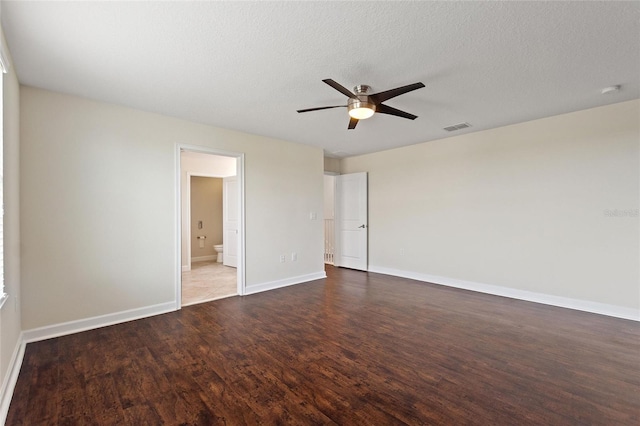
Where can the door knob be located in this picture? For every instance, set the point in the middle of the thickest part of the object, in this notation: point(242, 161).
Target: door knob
point(362, 226)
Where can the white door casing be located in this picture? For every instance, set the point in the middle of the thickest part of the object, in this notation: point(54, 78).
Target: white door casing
point(230, 220)
point(351, 221)
point(179, 213)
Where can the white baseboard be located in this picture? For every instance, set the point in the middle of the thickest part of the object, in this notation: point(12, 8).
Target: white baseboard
point(546, 299)
point(62, 329)
point(271, 285)
point(11, 378)
point(203, 258)
point(186, 268)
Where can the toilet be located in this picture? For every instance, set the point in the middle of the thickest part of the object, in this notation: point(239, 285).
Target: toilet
point(218, 249)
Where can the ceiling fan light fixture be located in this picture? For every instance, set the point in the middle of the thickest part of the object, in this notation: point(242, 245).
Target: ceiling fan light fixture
point(361, 105)
point(361, 110)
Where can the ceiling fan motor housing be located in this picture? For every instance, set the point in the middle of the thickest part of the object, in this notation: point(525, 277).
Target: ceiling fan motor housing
point(362, 100)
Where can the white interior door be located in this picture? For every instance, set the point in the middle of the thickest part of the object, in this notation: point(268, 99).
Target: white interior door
point(351, 221)
point(231, 220)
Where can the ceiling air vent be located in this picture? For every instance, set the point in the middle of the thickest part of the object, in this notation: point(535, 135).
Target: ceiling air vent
point(455, 127)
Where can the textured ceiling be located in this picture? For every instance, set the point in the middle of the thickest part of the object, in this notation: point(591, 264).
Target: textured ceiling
point(250, 65)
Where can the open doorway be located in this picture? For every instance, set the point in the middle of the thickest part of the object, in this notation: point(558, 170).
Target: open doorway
point(211, 226)
point(329, 217)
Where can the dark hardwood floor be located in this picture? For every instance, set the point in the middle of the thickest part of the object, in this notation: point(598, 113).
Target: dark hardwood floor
point(355, 349)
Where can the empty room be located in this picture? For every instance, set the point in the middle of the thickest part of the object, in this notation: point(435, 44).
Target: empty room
point(320, 212)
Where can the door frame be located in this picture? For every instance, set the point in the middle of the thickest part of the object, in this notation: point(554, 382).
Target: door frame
point(241, 274)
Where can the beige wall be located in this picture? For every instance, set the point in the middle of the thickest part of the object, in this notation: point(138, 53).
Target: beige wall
point(10, 315)
point(98, 188)
point(206, 206)
point(207, 164)
point(332, 165)
point(529, 206)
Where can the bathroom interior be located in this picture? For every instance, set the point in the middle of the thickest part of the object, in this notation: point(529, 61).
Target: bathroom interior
point(208, 260)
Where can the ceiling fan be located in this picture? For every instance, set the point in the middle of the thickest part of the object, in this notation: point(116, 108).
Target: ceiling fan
point(362, 105)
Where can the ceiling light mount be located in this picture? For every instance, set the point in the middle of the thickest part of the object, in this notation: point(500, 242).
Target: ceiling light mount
point(361, 89)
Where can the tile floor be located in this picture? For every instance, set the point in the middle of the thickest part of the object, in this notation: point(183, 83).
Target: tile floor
point(208, 281)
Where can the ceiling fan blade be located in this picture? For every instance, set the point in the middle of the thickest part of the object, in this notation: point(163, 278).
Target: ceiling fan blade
point(319, 108)
point(386, 109)
point(340, 88)
point(352, 123)
point(388, 94)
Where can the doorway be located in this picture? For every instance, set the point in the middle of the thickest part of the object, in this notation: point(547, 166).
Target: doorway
point(205, 277)
point(351, 221)
point(205, 207)
point(329, 217)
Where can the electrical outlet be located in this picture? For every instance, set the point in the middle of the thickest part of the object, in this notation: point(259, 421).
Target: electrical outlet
point(283, 258)
point(313, 215)
point(294, 257)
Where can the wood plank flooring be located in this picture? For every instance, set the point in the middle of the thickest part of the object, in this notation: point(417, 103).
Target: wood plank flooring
point(354, 349)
